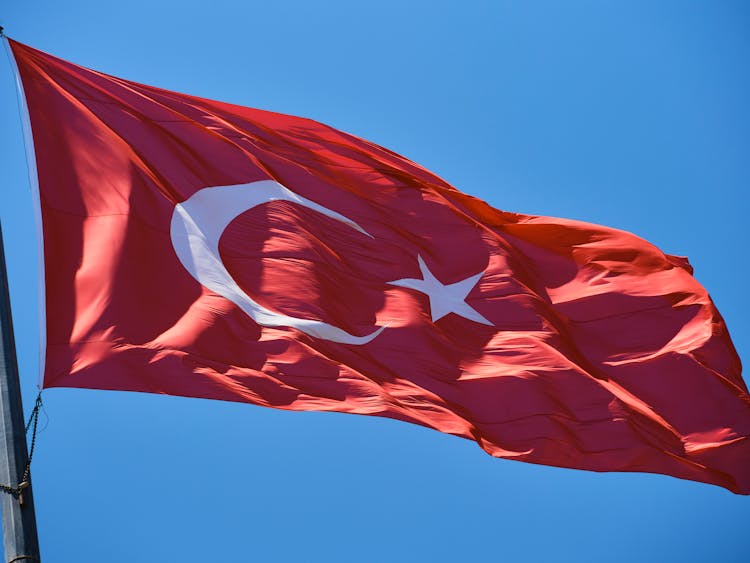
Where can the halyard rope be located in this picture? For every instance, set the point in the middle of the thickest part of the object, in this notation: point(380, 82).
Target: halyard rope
point(26, 479)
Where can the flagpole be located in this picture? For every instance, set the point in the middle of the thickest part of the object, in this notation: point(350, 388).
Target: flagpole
point(19, 521)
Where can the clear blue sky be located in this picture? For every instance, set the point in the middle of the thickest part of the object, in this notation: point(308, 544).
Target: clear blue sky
point(633, 114)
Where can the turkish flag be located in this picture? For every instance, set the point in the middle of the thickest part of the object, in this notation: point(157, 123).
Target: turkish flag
point(202, 249)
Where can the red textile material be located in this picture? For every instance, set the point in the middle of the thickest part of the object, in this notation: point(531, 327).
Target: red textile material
point(597, 350)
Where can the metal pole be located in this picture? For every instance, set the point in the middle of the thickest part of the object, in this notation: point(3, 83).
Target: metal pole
point(19, 522)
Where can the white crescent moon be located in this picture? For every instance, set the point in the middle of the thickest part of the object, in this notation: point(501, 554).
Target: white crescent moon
point(197, 225)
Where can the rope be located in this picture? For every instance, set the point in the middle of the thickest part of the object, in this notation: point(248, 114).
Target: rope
point(26, 479)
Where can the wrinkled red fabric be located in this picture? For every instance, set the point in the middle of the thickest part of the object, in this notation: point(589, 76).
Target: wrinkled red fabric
point(603, 352)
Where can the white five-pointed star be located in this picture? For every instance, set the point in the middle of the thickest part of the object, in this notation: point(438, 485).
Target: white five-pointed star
point(444, 299)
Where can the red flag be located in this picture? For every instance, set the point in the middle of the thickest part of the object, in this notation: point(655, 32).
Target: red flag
point(203, 249)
